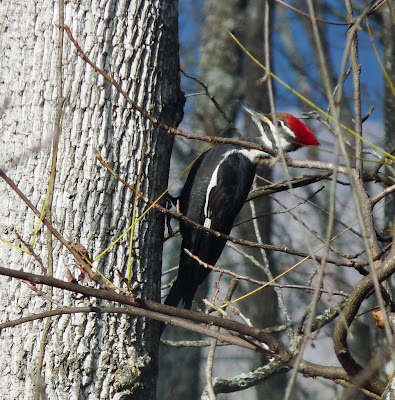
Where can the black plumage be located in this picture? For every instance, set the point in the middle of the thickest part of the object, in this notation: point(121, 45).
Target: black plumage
point(214, 193)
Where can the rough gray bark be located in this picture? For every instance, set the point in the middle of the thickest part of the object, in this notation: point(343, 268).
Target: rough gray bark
point(220, 65)
point(84, 356)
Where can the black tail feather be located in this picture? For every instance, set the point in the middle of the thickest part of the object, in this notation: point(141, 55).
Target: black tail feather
point(185, 286)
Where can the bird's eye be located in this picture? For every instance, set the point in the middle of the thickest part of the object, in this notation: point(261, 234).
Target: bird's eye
point(280, 124)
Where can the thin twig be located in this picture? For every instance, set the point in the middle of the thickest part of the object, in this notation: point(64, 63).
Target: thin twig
point(210, 358)
point(266, 269)
point(306, 15)
point(254, 261)
point(50, 192)
point(294, 183)
point(375, 199)
point(215, 102)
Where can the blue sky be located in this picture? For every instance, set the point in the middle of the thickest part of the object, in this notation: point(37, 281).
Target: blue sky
point(191, 15)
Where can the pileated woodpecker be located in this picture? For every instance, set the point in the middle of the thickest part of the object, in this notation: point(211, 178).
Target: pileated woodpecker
point(215, 191)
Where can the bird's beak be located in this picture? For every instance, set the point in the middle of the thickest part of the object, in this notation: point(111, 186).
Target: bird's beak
point(256, 115)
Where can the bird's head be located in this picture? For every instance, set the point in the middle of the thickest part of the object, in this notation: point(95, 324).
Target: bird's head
point(291, 133)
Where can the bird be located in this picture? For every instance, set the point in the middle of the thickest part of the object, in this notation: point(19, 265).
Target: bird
point(215, 190)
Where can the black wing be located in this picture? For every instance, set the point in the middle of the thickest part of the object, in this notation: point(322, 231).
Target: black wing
point(213, 195)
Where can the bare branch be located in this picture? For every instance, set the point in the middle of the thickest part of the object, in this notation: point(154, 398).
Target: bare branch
point(180, 317)
point(361, 290)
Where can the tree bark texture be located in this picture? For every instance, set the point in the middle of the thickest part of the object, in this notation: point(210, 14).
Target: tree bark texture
point(84, 356)
point(219, 64)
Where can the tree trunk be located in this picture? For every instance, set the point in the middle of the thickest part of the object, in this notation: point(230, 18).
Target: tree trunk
point(97, 355)
point(220, 64)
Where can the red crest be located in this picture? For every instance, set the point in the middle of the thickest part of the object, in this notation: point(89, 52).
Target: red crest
point(302, 132)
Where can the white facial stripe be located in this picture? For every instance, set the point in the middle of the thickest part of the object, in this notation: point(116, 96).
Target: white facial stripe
point(282, 137)
point(267, 136)
point(287, 133)
point(268, 142)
